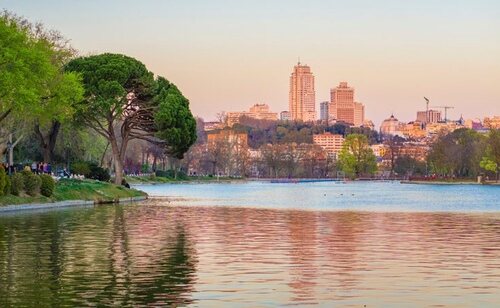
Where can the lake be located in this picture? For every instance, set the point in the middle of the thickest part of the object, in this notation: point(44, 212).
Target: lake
point(258, 244)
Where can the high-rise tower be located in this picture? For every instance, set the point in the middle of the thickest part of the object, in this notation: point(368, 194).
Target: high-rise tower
point(302, 102)
point(344, 108)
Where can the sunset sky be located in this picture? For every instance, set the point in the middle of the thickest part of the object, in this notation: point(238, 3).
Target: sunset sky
point(228, 55)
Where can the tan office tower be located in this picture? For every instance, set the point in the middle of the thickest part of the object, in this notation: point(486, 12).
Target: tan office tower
point(302, 102)
point(343, 108)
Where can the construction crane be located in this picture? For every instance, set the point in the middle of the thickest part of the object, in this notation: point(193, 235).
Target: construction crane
point(445, 111)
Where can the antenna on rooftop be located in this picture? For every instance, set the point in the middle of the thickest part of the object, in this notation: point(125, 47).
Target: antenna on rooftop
point(298, 63)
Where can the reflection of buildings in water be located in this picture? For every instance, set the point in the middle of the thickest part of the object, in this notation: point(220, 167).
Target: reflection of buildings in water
point(341, 236)
point(302, 254)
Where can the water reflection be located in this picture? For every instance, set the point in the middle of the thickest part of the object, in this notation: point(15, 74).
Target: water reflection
point(158, 255)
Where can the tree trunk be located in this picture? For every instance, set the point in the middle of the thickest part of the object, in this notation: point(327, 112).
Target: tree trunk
point(48, 143)
point(117, 159)
point(104, 154)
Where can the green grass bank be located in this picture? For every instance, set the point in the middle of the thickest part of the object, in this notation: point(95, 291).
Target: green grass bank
point(73, 189)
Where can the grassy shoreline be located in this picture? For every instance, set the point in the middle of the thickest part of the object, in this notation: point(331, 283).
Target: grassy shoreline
point(167, 180)
point(72, 189)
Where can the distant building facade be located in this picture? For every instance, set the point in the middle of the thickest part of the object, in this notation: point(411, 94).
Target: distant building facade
point(209, 126)
point(302, 100)
point(390, 127)
point(227, 135)
point(285, 116)
point(431, 116)
point(492, 123)
point(413, 130)
point(331, 143)
point(257, 111)
point(323, 111)
point(343, 107)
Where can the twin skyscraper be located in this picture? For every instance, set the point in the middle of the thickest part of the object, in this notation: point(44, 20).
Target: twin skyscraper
point(302, 100)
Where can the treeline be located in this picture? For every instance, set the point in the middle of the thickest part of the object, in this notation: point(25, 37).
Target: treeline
point(262, 132)
point(231, 156)
point(465, 153)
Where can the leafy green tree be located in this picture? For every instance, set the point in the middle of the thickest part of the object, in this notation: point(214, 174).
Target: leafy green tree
point(491, 160)
point(41, 93)
point(25, 68)
point(174, 122)
point(407, 165)
point(356, 157)
point(457, 154)
point(123, 101)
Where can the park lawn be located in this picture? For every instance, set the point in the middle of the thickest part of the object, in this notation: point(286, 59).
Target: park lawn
point(72, 189)
point(149, 179)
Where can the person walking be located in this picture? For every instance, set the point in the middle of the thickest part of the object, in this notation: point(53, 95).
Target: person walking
point(34, 168)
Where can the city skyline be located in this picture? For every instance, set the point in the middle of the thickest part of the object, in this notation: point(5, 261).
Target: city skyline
point(226, 56)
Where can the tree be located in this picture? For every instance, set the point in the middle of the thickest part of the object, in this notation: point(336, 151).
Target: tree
point(356, 156)
point(491, 160)
point(61, 92)
point(457, 153)
point(218, 154)
point(174, 123)
point(394, 144)
point(41, 92)
point(123, 101)
point(273, 158)
point(407, 165)
point(25, 67)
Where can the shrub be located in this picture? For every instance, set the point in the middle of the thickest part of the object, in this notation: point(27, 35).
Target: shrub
point(32, 183)
point(171, 174)
point(98, 173)
point(48, 185)
point(3, 180)
point(80, 168)
point(17, 184)
point(91, 171)
point(7, 187)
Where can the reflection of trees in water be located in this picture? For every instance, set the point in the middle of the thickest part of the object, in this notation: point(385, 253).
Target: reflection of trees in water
point(173, 283)
point(31, 260)
point(84, 258)
point(151, 261)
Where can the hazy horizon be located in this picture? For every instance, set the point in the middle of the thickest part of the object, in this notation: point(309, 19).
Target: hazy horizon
point(228, 56)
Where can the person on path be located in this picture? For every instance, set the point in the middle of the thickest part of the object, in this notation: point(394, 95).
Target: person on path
point(34, 167)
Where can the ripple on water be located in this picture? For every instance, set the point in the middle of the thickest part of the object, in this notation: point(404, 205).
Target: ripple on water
point(158, 254)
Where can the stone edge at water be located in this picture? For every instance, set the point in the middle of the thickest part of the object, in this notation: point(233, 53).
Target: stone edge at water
point(62, 204)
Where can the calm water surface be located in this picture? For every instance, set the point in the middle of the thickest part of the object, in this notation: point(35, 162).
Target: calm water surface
point(261, 245)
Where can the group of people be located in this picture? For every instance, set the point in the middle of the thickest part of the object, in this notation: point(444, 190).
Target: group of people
point(41, 168)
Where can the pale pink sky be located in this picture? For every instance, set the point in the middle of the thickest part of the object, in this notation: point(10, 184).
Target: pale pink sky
point(228, 55)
